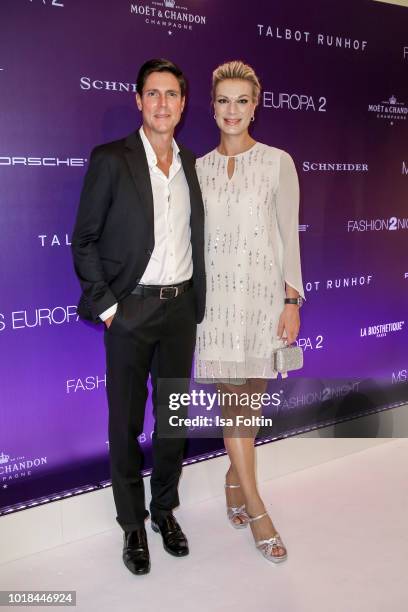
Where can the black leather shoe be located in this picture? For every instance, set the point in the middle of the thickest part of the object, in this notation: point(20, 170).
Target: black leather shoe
point(174, 540)
point(136, 552)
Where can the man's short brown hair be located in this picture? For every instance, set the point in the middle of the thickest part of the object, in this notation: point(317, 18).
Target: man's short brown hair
point(160, 65)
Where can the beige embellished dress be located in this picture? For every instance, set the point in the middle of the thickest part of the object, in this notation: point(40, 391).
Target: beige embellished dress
point(251, 250)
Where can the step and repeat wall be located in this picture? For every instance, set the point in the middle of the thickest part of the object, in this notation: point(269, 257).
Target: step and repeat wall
point(335, 96)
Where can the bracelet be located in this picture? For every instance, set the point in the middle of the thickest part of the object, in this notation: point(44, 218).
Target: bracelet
point(298, 301)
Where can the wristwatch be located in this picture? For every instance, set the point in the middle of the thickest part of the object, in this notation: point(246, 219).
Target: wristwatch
point(298, 301)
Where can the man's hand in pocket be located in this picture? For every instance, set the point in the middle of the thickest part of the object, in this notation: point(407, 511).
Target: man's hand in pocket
point(109, 321)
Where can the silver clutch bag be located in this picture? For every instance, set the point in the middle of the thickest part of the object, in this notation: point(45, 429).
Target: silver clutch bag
point(288, 358)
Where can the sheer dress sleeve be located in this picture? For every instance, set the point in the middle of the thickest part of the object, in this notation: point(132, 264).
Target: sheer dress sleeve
point(287, 209)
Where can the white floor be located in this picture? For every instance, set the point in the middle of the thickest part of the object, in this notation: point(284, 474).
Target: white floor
point(344, 523)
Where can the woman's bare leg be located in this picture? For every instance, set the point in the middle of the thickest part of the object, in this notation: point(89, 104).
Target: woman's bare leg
point(241, 452)
point(234, 496)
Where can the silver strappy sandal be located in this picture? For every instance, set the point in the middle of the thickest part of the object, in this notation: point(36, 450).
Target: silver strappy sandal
point(266, 546)
point(234, 512)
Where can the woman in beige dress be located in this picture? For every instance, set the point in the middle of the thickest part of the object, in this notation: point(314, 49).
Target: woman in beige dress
point(254, 281)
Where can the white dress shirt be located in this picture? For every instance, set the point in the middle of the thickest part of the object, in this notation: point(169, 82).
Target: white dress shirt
point(171, 261)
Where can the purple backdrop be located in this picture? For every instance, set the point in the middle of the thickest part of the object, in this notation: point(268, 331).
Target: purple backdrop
point(335, 95)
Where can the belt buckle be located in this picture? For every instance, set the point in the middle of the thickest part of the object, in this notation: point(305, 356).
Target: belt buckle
point(163, 297)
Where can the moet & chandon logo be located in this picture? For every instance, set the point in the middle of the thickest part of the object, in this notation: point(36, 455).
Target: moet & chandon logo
point(391, 110)
point(12, 468)
point(167, 14)
point(4, 458)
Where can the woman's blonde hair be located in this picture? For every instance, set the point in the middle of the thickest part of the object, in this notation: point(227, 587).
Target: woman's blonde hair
point(236, 70)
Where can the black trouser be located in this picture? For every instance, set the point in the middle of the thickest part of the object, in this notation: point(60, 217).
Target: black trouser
point(146, 335)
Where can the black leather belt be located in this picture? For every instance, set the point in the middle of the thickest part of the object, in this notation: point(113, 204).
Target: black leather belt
point(164, 292)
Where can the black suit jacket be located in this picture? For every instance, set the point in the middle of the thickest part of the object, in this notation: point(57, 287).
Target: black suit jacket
point(113, 236)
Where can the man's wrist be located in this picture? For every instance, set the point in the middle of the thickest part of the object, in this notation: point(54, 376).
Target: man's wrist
point(109, 312)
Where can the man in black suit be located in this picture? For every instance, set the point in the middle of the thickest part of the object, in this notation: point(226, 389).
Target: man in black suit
point(138, 248)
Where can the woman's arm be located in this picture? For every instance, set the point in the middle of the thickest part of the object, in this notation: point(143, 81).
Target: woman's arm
point(287, 209)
